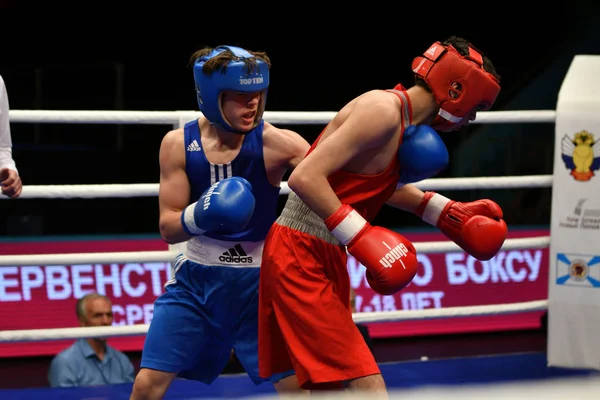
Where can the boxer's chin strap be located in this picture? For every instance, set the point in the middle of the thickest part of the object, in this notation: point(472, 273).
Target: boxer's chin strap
point(449, 117)
point(6, 160)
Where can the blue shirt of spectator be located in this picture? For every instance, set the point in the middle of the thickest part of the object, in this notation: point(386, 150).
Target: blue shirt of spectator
point(79, 365)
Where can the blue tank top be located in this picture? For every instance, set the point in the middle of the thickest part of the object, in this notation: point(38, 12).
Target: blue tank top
point(249, 164)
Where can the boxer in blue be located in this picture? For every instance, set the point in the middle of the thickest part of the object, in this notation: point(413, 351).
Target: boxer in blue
point(220, 179)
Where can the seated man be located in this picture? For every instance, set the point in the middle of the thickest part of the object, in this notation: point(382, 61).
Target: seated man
point(91, 362)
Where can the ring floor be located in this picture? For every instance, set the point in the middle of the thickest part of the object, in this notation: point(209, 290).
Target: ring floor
point(417, 363)
point(462, 371)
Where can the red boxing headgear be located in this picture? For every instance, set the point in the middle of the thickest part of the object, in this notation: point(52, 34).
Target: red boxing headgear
point(458, 83)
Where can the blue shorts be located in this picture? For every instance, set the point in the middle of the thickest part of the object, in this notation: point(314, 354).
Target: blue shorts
point(204, 313)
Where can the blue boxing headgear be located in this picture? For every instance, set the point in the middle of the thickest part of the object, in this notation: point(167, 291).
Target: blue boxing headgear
point(237, 77)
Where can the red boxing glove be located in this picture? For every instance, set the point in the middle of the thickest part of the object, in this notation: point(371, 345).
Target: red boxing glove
point(477, 227)
point(390, 259)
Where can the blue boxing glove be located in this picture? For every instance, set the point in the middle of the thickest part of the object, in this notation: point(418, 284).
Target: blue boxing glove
point(422, 154)
point(226, 206)
point(240, 179)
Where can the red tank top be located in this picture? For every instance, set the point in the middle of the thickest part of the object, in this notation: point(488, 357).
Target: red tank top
point(368, 193)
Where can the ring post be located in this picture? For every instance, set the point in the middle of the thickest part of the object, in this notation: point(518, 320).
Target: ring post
point(574, 287)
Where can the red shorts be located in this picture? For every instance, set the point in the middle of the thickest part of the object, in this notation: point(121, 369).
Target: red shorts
point(304, 319)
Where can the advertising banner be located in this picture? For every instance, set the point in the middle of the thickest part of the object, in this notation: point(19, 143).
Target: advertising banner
point(42, 297)
point(455, 280)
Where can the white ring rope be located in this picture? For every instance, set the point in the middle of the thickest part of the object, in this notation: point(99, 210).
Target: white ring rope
point(449, 312)
point(275, 117)
point(125, 257)
point(32, 335)
point(128, 257)
point(151, 189)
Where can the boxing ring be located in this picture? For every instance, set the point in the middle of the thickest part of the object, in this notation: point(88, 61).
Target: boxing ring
point(581, 385)
point(178, 119)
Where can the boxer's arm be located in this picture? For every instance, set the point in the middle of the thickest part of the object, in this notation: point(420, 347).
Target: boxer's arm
point(371, 124)
point(174, 187)
point(283, 151)
point(295, 147)
point(406, 197)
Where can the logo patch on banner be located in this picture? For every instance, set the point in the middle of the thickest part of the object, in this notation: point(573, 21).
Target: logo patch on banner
point(581, 155)
point(578, 270)
point(584, 216)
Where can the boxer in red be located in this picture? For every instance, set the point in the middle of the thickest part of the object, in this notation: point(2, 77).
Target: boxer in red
point(367, 156)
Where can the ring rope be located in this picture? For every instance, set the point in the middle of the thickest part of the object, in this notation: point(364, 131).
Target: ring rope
point(127, 257)
point(151, 189)
point(147, 190)
point(275, 117)
point(33, 335)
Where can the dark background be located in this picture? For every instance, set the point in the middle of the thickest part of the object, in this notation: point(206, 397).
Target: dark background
point(133, 56)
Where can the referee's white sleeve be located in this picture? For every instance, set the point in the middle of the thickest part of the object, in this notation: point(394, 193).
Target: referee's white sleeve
point(6, 160)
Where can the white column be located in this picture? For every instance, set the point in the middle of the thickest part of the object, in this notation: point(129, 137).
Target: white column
point(574, 287)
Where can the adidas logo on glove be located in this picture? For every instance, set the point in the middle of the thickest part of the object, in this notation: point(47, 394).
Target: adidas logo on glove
point(236, 254)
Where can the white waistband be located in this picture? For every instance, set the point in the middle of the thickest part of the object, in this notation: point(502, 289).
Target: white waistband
point(204, 250)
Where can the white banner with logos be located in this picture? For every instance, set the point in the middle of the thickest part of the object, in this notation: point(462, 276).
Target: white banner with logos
point(574, 284)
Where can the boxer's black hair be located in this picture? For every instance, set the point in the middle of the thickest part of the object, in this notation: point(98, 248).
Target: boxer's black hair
point(220, 61)
point(462, 46)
